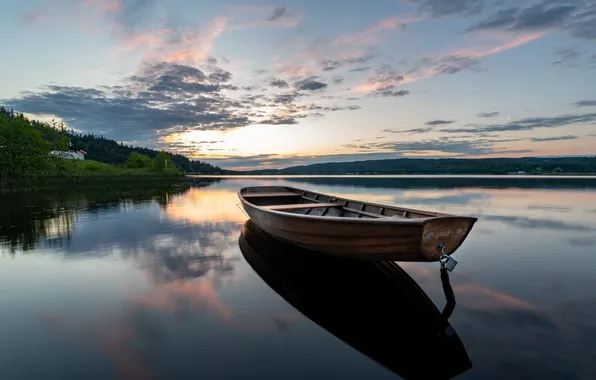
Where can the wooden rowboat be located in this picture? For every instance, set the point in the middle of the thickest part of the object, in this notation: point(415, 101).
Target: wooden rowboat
point(352, 228)
point(374, 307)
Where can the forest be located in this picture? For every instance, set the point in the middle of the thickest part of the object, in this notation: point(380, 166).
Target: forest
point(497, 166)
point(26, 148)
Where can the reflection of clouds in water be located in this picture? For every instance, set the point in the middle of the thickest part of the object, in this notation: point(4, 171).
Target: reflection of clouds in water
point(182, 297)
point(184, 268)
point(484, 231)
point(184, 261)
point(551, 342)
point(512, 318)
point(554, 343)
point(206, 204)
point(468, 294)
point(525, 222)
point(582, 242)
point(189, 252)
point(546, 339)
point(549, 208)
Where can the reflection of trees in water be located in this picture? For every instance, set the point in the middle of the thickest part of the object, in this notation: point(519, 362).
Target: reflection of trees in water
point(205, 182)
point(28, 217)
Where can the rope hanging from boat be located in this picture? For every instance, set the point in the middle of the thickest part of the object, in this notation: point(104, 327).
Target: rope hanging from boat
point(447, 265)
point(449, 295)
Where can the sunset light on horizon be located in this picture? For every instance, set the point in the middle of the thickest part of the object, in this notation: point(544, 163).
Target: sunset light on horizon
point(257, 84)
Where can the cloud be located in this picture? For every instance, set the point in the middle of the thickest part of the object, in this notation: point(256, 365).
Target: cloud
point(558, 138)
point(277, 13)
point(32, 17)
point(360, 69)
point(279, 120)
point(568, 56)
point(389, 93)
point(439, 122)
point(161, 40)
point(330, 65)
point(220, 75)
point(383, 83)
point(385, 78)
point(585, 103)
point(539, 16)
point(314, 107)
point(161, 97)
point(174, 44)
point(440, 8)
point(373, 33)
point(577, 17)
point(488, 114)
point(409, 131)
point(286, 98)
point(278, 83)
point(443, 146)
point(255, 16)
point(462, 59)
point(310, 84)
point(527, 124)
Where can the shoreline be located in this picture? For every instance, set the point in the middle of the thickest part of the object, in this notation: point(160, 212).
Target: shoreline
point(504, 176)
point(37, 183)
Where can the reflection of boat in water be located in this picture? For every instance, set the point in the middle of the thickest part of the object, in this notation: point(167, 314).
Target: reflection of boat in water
point(353, 228)
point(374, 307)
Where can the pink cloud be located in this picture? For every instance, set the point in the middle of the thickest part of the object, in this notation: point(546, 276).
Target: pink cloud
point(197, 46)
point(446, 63)
point(287, 22)
point(372, 33)
point(469, 55)
point(194, 45)
point(344, 47)
point(108, 6)
point(32, 17)
point(172, 46)
point(255, 16)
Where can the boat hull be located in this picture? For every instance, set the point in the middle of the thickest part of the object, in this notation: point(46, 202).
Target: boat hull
point(390, 239)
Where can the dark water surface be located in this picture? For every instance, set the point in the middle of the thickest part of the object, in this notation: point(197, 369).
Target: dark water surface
point(153, 284)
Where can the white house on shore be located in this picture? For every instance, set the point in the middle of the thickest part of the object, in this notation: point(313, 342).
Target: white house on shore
point(73, 154)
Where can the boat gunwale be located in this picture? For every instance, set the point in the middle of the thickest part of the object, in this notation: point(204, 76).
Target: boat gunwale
point(350, 219)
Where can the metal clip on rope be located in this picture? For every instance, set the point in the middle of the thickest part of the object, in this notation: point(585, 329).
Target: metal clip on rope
point(447, 262)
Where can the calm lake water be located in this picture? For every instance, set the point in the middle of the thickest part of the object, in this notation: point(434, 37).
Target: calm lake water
point(152, 284)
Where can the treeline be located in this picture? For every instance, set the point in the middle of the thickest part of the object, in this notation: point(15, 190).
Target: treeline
point(26, 146)
point(528, 165)
point(105, 150)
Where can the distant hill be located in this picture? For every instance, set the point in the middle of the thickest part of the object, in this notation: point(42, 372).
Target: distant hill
point(528, 165)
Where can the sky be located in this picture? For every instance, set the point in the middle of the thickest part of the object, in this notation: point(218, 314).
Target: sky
point(250, 84)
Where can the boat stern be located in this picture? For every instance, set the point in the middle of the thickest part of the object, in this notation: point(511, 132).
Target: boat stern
point(447, 231)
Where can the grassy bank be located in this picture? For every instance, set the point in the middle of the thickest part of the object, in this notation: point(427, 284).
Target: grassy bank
point(91, 169)
point(92, 174)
